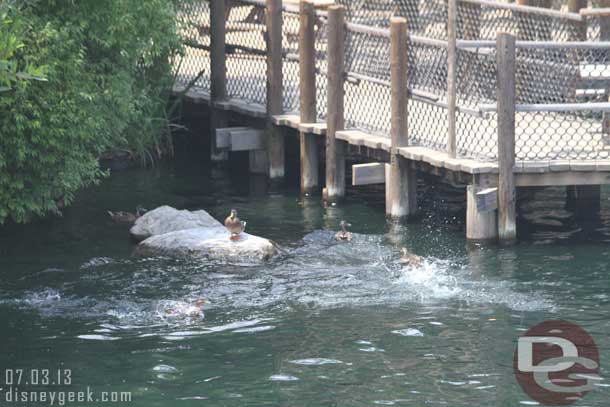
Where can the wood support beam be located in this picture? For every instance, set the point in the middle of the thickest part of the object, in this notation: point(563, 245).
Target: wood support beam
point(368, 174)
point(505, 46)
point(275, 81)
point(307, 82)
point(335, 149)
point(240, 139)
point(401, 184)
point(481, 224)
point(218, 74)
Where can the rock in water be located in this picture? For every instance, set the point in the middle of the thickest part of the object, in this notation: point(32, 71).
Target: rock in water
point(166, 219)
point(196, 234)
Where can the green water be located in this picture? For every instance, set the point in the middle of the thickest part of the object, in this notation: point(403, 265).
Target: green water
point(323, 324)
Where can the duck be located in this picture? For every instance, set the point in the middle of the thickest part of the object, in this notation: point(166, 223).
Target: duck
point(234, 225)
point(178, 309)
point(344, 235)
point(126, 217)
point(410, 259)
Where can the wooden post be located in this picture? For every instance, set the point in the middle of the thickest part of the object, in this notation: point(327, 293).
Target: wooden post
point(335, 149)
point(480, 224)
point(604, 35)
point(218, 74)
point(275, 80)
point(451, 77)
point(401, 183)
point(574, 6)
point(505, 57)
point(307, 68)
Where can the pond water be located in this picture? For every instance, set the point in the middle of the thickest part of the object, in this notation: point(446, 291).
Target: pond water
point(322, 324)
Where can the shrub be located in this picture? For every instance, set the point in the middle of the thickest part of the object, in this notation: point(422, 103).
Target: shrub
point(106, 67)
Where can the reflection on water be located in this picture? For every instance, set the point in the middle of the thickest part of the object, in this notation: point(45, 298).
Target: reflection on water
point(323, 323)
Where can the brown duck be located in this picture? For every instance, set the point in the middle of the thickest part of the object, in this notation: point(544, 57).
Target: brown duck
point(344, 235)
point(126, 217)
point(409, 258)
point(234, 225)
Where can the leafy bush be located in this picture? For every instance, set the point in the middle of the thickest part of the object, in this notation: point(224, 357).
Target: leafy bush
point(79, 79)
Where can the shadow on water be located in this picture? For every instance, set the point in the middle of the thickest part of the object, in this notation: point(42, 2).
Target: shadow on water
point(323, 323)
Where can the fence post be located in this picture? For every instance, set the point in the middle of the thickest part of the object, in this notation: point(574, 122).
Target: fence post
point(275, 81)
point(335, 149)
point(402, 182)
point(451, 77)
point(574, 6)
point(307, 82)
point(218, 73)
point(505, 58)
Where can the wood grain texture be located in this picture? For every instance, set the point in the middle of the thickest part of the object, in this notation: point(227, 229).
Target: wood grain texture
point(335, 149)
point(507, 229)
point(275, 88)
point(307, 86)
point(401, 183)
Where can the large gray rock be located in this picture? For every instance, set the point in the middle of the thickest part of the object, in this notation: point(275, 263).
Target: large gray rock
point(170, 232)
point(165, 219)
point(212, 243)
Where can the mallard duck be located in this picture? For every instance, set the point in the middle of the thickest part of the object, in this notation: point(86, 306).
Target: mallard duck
point(234, 225)
point(126, 217)
point(344, 235)
point(179, 309)
point(409, 258)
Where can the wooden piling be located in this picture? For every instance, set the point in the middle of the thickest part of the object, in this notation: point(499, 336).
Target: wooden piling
point(401, 183)
point(218, 74)
point(275, 81)
point(574, 6)
point(505, 59)
point(307, 82)
point(335, 149)
point(481, 224)
point(451, 77)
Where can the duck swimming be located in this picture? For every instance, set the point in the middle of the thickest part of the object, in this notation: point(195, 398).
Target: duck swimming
point(344, 235)
point(178, 309)
point(234, 225)
point(126, 217)
point(409, 258)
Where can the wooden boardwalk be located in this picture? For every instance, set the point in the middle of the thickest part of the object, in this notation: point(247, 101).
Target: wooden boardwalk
point(553, 143)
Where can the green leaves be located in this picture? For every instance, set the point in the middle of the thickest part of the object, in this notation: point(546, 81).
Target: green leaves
point(76, 82)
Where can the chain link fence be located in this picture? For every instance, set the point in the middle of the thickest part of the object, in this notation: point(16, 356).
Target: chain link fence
point(562, 86)
point(194, 64)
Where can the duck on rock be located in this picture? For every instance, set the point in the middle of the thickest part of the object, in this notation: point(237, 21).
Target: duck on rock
point(344, 235)
point(126, 217)
point(234, 225)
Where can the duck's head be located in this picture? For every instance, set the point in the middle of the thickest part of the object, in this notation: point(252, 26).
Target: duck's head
point(233, 213)
point(199, 303)
point(344, 225)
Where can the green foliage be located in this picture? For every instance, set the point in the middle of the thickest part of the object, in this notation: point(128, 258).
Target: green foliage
point(80, 78)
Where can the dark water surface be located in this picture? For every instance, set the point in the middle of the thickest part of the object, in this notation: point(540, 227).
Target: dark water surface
point(322, 324)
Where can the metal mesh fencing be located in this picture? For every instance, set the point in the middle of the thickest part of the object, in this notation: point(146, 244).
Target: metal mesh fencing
point(367, 89)
point(476, 19)
point(560, 86)
point(246, 51)
point(194, 23)
point(566, 79)
point(321, 46)
point(290, 64)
